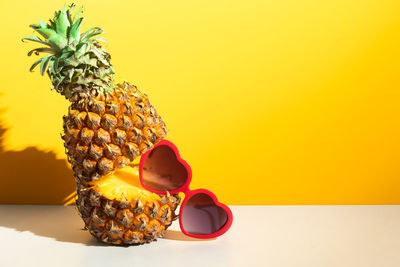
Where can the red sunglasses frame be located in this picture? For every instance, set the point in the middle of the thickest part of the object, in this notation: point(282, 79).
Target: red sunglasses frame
point(188, 193)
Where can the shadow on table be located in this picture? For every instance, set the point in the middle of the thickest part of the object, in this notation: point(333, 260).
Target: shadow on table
point(61, 223)
point(179, 236)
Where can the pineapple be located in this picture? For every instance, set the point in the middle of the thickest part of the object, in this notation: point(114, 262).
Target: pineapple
point(108, 126)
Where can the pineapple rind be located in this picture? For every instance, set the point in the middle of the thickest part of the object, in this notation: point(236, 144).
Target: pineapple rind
point(109, 132)
point(120, 222)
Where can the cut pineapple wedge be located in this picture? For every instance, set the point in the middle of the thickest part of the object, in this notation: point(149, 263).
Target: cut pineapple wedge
point(123, 183)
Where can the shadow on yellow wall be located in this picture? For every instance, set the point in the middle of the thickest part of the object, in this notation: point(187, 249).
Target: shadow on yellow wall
point(33, 176)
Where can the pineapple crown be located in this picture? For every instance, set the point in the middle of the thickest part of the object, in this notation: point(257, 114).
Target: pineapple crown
point(76, 62)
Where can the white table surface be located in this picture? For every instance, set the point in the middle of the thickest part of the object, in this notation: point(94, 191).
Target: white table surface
point(323, 236)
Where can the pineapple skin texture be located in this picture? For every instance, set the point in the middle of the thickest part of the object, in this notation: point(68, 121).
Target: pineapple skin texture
point(120, 222)
point(103, 133)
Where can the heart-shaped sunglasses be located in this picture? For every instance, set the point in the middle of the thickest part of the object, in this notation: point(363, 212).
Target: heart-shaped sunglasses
point(162, 171)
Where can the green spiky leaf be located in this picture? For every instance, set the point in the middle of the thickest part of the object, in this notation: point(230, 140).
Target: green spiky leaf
point(74, 32)
point(45, 32)
point(42, 24)
point(52, 24)
point(78, 14)
point(44, 62)
point(62, 22)
point(100, 39)
point(35, 39)
point(70, 10)
point(40, 50)
point(99, 54)
point(58, 40)
point(35, 64)
point(90, 33)
point(57, 60)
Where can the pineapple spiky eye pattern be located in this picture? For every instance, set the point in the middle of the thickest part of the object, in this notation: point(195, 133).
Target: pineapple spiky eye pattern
point(107, 127)
point(110, 131)
point(119, 221)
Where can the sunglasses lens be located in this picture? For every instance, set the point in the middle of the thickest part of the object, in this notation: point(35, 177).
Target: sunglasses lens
point(162, 171)
point(200, 215)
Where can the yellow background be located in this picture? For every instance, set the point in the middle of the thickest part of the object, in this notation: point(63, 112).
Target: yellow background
point(270, 102)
